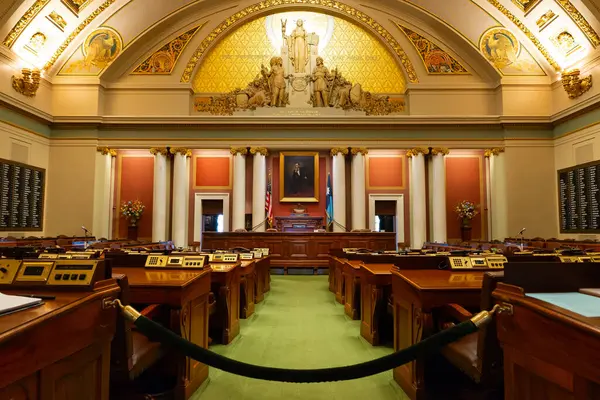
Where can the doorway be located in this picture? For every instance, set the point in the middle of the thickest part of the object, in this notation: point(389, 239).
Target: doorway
point(211, 214)
point(386, 214)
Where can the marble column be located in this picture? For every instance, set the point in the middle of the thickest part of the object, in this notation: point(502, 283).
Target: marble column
point(239, 188)
point(111, 201)
point(179, 223)
point(259, 187)
point(359, 214)
point(418, 234)
point(102, 193)
point(159, 198)
point(499, 205)
point(339, 188)
point(438, 196)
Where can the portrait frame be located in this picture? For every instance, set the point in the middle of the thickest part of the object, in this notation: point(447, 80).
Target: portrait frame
point(306, 159)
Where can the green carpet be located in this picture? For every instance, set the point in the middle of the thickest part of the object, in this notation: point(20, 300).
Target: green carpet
point(299, 325)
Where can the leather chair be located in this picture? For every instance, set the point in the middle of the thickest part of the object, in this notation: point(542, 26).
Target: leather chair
point(478, 355)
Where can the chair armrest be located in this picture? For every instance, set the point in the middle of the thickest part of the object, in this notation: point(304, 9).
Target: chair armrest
point(456, 312)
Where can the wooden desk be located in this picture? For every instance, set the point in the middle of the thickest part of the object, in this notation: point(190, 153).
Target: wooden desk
point(186, 292)
point(549, 352)
point(247, 288)
point(305, 250)
point(338, 280)
point(225, 284)
point(61, 349)
point(415, 294)
point(375, 288)
point(351, 275)
point(263, 278)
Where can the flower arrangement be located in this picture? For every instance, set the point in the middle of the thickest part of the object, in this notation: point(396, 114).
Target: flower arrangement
point(466, 211)
point(132, 210)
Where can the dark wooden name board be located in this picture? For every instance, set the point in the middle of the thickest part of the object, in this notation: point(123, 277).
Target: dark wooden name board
point(21, 196)
point(579, 198)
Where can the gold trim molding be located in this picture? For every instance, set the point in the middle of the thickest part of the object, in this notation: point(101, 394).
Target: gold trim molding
point(361, 150)
point(440, 150)
point(159, 150)
point(347, 10)
point(493, 152)
point(24, 21)
point(416, 151)
point(339, 150)
point(259, 150)
point(581, 22)
point(76, 32)
point(527, 33)
point(238, 150)
point(184, 151)
point(107, 151)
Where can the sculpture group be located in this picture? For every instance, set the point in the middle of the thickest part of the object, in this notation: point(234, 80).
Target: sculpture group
point(299, 79)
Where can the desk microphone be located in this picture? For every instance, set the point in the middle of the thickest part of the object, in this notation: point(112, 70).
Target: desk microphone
point(522, 230)
point(84, 229)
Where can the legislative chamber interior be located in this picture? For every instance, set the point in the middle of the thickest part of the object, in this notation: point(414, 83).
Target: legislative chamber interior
point(301, 199)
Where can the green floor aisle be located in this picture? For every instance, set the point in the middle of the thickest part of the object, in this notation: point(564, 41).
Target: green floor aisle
point(299, 325)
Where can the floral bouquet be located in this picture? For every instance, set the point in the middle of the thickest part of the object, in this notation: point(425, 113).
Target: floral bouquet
point(466, 211)
point(132, 210)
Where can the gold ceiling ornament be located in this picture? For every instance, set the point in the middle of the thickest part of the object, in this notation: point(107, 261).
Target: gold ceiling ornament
point(546, 19)
point(574, 85)
point(28, 83)
point(159, 150)
point(20, 26)
point(359, 150)
point(259, 150)
point(57, 20)
point(347, 10)
point(440, 150)
point(238, 150)
point(526, 5)
point(162, 61)
point(435, 60)
point(184, 151)
point(77, 31)
point(493, 151)
point(76, 5)
point(339, 150)
point(527, 33)
point(581, 22)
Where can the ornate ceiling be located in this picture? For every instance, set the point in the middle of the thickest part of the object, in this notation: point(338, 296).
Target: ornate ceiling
point(170, 42)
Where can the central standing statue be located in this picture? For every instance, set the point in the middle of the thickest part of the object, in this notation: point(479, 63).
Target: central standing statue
point(298, 45)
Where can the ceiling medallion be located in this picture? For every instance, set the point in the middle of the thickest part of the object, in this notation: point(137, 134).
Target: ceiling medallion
point(349, 11)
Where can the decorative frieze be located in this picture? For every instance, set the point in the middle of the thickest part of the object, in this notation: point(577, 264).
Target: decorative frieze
point(259, 150)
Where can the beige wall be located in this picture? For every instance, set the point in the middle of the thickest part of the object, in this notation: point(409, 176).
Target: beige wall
point(70, 188)
point(531, 189)
point(17, 144)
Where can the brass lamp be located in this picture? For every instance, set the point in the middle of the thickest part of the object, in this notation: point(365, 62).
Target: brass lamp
point(574, 85)
point(28, 83)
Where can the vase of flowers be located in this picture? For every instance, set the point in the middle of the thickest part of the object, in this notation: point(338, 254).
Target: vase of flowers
point(466, 211)
point(132, 210)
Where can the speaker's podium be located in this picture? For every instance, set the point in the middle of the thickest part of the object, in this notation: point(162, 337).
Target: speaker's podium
point(298, 223)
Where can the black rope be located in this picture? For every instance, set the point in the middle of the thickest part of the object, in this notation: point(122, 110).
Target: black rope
point(424, 348)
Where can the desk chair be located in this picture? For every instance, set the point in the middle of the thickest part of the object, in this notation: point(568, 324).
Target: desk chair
point(131, 352)
point(477, 355)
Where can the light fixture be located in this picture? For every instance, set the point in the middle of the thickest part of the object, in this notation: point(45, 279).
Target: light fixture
point(28, 83)
point(574, 85)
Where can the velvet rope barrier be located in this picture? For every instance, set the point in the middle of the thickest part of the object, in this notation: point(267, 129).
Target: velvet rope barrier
point(426, 347)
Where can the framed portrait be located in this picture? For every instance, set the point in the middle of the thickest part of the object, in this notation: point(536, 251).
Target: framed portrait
point(299, 176)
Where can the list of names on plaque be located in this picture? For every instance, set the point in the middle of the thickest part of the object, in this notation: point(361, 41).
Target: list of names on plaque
point(21, 196)
point(579, 199)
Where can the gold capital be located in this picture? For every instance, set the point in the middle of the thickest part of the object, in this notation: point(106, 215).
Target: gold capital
point(159, 150)
point(238, 150)
point(440, 150)
point(417, 151)
point(337, 150)
point(361, 150)
point(259, 150)
point(493, 152)
point(181, 150)
point(107, 151)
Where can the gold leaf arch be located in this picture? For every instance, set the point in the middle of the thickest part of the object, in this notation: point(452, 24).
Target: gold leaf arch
point(268, 7)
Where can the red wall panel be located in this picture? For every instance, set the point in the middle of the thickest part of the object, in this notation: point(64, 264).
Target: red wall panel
point(386, 172)
point(464, 181)
point(212, 172)
point(136, 182)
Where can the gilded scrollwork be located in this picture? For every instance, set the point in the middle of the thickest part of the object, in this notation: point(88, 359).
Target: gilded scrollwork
point(440, 150)
point(581, 22)
point(574, 85)
point(493, 151)
point(184, 151)
point(238, 150)
point(416, 151)
point(339, 150)
point(159, 150)
point(259, 150)
point(28, 83)
point(24, 21)
point(107, 151)
point(359, 150)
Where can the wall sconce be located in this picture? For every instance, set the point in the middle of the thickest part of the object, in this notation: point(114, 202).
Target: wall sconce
point(574, 85)
point(28, 83)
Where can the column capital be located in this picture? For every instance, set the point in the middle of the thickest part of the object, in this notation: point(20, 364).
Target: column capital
point(337, 150)
point(259, 150)
point(184, 151)
point(493, 152)
point(361, 150)
point(416, 151)
point(238, 150)
point(107, 151)
point(159, 150)
point(440, 150)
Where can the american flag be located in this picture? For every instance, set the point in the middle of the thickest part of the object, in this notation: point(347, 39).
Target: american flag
point(269, 203)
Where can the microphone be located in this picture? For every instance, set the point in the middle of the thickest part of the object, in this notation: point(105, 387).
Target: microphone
point(84, 229)
point(522, 230)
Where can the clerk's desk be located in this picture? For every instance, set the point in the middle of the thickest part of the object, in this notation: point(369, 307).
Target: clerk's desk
point(551, 350)
point(61, 349)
